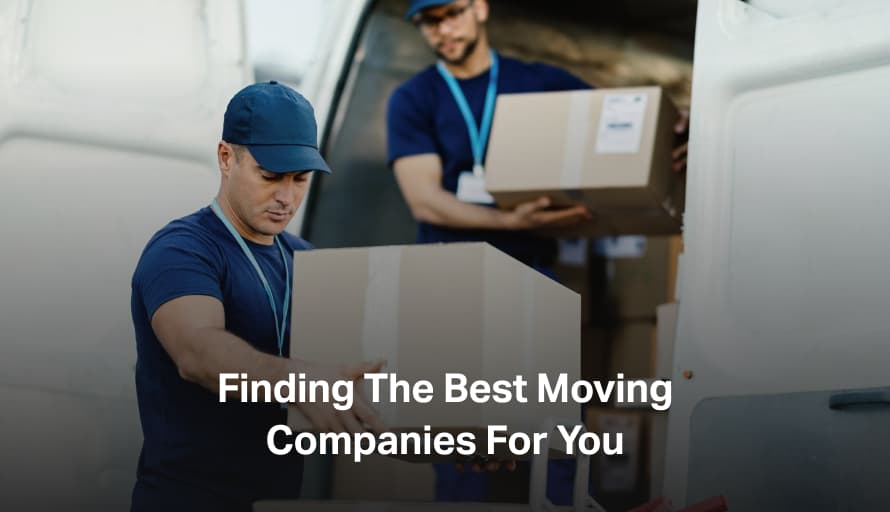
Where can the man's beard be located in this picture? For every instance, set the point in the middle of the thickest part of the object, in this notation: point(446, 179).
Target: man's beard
point(471, 45)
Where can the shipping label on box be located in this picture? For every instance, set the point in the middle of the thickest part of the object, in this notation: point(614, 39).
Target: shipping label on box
point(621, 123)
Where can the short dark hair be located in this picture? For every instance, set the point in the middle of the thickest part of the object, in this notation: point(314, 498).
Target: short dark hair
point(239, 150)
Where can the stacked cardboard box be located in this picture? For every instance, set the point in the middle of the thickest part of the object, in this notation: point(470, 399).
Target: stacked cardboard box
point(619, 473)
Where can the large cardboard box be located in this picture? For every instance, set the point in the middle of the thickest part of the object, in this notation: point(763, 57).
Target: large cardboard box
point(432, 309)
point(637, 286)
point(632, 350)
point(381, 479)
point(609, 149)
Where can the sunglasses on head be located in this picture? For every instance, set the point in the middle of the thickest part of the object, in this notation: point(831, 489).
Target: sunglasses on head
point(430, 22)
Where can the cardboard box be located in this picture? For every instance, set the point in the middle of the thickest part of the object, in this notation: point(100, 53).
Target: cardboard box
point(382, 479)
point(594, 353)
point(632, 351)
point(609, 149)
point(636, 286)
point(577, 279)
point(432, 309)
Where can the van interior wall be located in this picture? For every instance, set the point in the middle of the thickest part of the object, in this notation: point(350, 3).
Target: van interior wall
point(609, 44)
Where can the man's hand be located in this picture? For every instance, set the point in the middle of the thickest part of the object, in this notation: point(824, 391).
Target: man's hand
point(491, 467)
point(324, 417)
point(682, 131)
point(534, 214)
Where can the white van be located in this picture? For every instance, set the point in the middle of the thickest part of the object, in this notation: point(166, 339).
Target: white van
point(109, 115)
point(781, 398)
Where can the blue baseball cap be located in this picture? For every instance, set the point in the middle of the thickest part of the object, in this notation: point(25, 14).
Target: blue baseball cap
point(419, 5)
point(277, 125)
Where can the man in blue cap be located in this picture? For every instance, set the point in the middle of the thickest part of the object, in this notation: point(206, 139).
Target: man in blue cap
point(210, 295)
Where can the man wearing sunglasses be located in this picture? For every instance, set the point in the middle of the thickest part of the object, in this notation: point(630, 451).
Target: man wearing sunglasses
point(437, 132)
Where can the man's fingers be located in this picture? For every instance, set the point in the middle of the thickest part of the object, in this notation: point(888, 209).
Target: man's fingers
point(314, 417)
point(350, 422)
point(680, 151)
point(679, 165)
point(358, 371)
point(531, 207)
point(334, 425)
point(543, 202)
point(366, 413)
point(375, 366)
point(682, 122)
point(565, 213)
point(368, 416)
point(569, 216)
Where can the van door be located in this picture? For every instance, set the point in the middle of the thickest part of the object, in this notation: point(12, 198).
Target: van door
point(110, 114)
point(784, 290)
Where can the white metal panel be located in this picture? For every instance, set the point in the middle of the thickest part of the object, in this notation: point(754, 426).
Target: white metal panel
point(323, 76)
point(109, 117)
point(784, 285)
point(785, 8)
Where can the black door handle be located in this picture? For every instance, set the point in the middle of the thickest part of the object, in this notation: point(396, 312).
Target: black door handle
point(847, 399)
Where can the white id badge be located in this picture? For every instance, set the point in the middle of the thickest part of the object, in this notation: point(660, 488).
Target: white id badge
point(471, 189)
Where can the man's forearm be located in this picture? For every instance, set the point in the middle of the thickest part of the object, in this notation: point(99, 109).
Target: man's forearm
point(445, 209)
point(220, 351)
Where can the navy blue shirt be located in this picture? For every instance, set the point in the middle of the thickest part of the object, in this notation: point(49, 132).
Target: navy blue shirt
point(200, 454)
point(423, 117)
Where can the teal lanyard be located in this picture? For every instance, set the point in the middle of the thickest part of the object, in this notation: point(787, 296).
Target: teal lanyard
point(279, 326)
point(478, 135)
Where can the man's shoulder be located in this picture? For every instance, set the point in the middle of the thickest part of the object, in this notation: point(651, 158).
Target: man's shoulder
point(539, 76)
point(187, 236)
point(417, 87)
point(195, 227)
point(508, 64)
point(295, 242)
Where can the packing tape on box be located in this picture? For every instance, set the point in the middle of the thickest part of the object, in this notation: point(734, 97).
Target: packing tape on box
point(577, 134)
point(529, 342)
point(380, 325)
point(525, 356)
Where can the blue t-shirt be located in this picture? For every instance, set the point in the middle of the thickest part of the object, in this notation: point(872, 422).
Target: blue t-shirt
point(423, 117)
point(197, 451)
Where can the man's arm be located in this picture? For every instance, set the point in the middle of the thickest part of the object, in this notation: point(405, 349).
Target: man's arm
point(192, 331)
point(681, 129)
point(420, 179)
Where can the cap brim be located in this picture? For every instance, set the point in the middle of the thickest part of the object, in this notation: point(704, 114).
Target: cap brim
point(419, 6)
point(288, 158)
